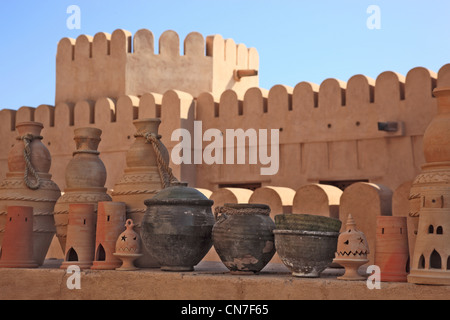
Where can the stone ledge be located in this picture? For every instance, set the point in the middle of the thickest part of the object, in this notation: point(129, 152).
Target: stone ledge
point(210, 281)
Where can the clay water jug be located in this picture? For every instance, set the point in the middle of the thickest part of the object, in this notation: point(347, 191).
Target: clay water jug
point(146, 173)
point(28, 183)
point(17, 250)
point(177, 226)
point(243, 237)
point(85, 179)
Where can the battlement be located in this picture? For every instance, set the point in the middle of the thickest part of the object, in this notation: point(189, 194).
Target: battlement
point(334, 110)
point(112, 65)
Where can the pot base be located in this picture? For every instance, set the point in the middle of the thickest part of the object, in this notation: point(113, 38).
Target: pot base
point(177, 268)
point(306, 275)
point(243, 273)
point(19, 264)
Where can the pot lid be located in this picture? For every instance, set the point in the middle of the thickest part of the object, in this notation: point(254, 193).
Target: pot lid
point(179, 192)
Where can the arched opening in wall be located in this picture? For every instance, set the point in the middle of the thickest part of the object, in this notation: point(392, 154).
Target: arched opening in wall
point(430, 229)
point(250, 186)
point(71, 255)
point(435, 260)
point(407, 265)
point(439, 230)
point(342, 184)
point(421, 262)
point(101, 254)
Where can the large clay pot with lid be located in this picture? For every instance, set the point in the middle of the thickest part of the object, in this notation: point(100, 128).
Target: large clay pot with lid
point(177, 226)
point(85, 179)
point(28, 183)
point(142, 178)
point(243, 237)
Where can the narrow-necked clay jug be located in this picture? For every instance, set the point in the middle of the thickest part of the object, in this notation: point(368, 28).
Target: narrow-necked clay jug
point(243, 237)
point(28, 183)
point(143, 177)
point(85, 179)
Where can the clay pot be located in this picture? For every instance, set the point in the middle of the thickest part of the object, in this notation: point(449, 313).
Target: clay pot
point(17, 249)
point(141, 179)
point(177, 227)
point(436, 139)
point(352, 251)
point(307, 222)
point(243, 237)
point(306, 253)
point(128, 247)
point(111, 218)
point(391, 248)
point(80, 246)
point(85, 179)
point(42, 196)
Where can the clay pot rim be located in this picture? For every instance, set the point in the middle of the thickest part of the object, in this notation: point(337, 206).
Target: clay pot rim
point(233, 209)
point(146, 120)
point(307, 233)
point(178, 202)
point(440, 91)
point(82, 133)
point(28, 123)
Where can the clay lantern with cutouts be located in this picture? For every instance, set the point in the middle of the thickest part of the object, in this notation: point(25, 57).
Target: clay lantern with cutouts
point(352, 251)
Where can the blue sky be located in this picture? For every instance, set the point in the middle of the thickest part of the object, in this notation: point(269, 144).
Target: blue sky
point(297, 40)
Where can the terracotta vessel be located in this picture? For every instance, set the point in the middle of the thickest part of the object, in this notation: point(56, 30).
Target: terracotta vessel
point(430, 196)
point(111, 218)
point(80, 245)
point(352, 251)
point(17, 250)
point(306, 253)
point(177, 227)
point(28, 183)
point(307, 222)
point(128, 248)
point(391, 248)
point(243, 237)
point(85, 179)
point(142, 178)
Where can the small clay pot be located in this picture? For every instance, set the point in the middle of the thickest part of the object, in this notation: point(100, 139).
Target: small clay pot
point(17, 249)
point(306, 253)
point(177, 227)
point(80, 247)
point(243, 237)
point(128, 248)
point(111, 218)
point(307, 222)
point(391, 248)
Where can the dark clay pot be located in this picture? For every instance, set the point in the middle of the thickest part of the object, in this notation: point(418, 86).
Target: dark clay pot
point(176, 228)
point(307, 222)
point(306, 253)
point(243, 237)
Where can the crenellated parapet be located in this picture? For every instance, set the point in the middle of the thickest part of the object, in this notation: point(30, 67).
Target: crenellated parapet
point(117, 64)
point(113, 116)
